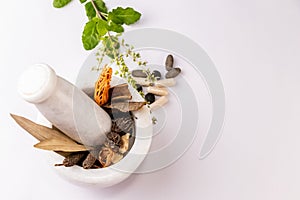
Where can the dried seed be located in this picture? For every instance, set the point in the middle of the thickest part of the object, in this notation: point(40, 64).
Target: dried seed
point(156, 74)
point(169, 62)
point(139, 88)
point(158, 103)
point(173, 73)
point(150, 98)
point(138, 73)
point(160, 91)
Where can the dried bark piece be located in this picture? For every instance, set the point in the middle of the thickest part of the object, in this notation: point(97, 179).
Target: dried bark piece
point(113, 141)
point(54, 144)
point(72, 159)
point(125, 106)
point(90, 160)
point(124, 143)
point(119, 93)
point(102, 86)
point(123, 124)
point(105, 156)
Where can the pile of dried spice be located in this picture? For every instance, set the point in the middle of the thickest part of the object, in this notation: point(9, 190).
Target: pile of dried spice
point(117, 144)
point(115, 101)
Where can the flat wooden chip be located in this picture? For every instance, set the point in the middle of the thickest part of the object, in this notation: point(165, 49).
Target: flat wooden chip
point(50, 139)
point(60, 145)
point(38, 131)
point(119, 93)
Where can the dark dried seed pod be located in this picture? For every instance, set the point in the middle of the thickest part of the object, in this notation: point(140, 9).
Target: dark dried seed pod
point(139, 73)
point(156, 74)
point(173, 72)
point(169, 62)
point(139, 88)
point(150, 98)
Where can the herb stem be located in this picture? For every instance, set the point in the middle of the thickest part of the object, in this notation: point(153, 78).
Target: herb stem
point(96, 9)
point(112, 42)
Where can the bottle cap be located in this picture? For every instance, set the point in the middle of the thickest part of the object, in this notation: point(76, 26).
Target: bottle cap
point(37, 83)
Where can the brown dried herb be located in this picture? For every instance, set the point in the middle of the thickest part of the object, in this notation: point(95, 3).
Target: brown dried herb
point(126, 125)
point(124, 143)
point(110, 144)
point(105, 156)
point(72, 159)
point(90, 160)
point(125, 106)
point(114, 137)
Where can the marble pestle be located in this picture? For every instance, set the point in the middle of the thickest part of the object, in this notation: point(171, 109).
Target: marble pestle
point(64, 105)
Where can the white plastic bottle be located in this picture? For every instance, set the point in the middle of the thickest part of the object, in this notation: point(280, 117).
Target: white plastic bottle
point(64, 105)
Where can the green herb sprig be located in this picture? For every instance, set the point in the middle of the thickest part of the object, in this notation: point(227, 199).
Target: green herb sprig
point(106, 27)
point(102, 23)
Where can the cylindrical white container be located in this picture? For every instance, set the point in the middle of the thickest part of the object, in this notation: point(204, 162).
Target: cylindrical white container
point(64, 105)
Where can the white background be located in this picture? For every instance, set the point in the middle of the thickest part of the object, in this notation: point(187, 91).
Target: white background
point(255, 46)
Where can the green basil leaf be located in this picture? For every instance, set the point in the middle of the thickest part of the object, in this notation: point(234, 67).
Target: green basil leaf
point(101, 6)
point(60, 3)
point(89, 10)
point(115, 27)
point(124, 16)
point(82, 1)
point(90, 37)
point(102, 27)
